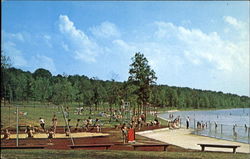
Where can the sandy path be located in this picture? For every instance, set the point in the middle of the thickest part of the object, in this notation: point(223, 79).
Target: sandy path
point(184, 138)
point(74, 135)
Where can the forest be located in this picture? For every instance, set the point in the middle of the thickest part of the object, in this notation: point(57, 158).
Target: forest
point(24, 86)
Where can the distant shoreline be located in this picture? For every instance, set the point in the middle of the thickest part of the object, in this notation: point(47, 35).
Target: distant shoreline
point(192, 109)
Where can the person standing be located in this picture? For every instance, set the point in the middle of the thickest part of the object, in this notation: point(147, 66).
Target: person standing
point(54, 123)
point(187, 121)
point(124, 131)
point(51, 134)
point(42, 123)
point(77, 124)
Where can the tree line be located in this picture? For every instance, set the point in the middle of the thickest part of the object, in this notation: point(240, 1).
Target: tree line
point(140, 89)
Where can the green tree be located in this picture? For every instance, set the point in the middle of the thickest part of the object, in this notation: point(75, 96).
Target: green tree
point(41, 89)
point(5, 64)
point(42, 73)
point(143, 77)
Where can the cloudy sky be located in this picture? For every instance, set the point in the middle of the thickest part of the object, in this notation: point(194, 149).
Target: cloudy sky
point(203, 45)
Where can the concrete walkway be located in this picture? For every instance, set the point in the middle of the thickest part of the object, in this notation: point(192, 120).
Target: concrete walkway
point(183, 138)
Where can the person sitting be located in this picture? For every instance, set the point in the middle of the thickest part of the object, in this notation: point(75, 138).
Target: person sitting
point(66, 131)
point(6, 134)
point(156, 121)
point(29, 131)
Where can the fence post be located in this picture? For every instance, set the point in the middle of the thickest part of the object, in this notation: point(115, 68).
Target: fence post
point(248, 135)
point(209, 128)
point(180, 122)
point(221, 129)
point(194, 123)
point(17, 125)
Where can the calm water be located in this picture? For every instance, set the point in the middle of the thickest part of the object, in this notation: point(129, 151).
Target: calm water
point(225, 120)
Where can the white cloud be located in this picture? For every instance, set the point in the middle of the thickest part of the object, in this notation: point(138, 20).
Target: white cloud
point(105, 30)
point(191, 57)
point(200, 47)
point(232, 21)
point(65, 46)
point(81, 45)
point(47, 40)
point(128, 48)
point(41, 61)
point(13, 36)
point(241, 28)
point(206, 55)
point(47, 37)
point(15, 54)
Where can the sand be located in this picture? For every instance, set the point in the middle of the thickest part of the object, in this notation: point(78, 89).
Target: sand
point(183, 138)
point(74, 135)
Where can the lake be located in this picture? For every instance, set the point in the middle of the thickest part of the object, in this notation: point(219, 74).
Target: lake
point(228, 124)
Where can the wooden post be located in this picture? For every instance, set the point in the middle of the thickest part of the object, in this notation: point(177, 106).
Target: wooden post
point(221, 129)
point(17, 125)
point(248, 135)
point(67, 124)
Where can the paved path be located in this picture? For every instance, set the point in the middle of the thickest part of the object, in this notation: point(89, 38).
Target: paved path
point(184, 138)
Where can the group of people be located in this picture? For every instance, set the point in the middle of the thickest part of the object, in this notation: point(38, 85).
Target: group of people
point(138, 121)
point(175, 123)
point(202, 125)
point(128, 133)
point(89, 123)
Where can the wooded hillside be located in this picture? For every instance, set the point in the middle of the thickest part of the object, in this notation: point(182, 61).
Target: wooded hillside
point(18, 85)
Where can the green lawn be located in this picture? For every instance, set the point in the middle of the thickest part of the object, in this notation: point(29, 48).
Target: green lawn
point(35, 110)
point(90, 154)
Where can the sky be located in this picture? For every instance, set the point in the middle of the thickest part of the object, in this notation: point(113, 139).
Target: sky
point(202, 45)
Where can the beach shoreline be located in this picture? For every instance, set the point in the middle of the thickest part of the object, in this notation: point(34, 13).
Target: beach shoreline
point(185, 139)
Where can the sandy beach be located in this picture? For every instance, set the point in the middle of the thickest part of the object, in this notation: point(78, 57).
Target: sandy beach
point(183, 138)
point(74, 135)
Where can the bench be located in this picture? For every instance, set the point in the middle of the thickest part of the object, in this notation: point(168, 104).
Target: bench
point(23, 147)
point(107, 146)
point(218, 146)
point(151, 145)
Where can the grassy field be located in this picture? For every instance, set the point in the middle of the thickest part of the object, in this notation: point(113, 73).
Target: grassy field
point(30, 113)
point(90, 154)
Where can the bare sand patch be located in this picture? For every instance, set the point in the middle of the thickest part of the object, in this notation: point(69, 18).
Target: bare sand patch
point(74, 135)
point(183, 138)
